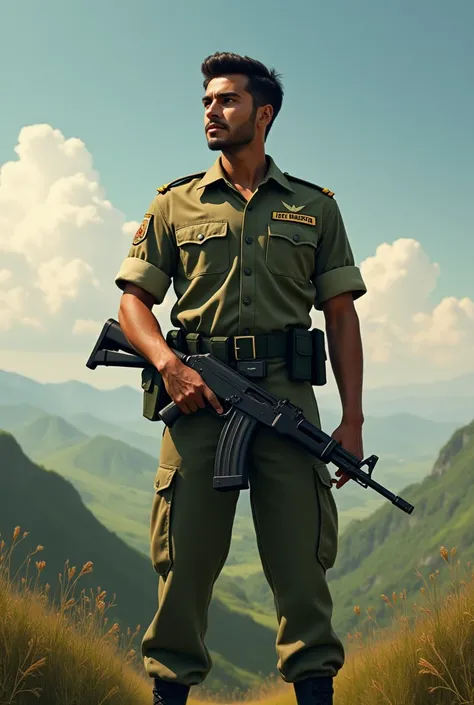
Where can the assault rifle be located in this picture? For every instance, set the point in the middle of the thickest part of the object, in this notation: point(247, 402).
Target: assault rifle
point(246, 405)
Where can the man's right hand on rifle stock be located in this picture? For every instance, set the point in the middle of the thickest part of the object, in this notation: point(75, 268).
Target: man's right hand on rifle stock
point(186, 387)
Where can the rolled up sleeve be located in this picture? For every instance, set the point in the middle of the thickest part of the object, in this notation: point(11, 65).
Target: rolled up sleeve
point(151, 263)
point(335, 270)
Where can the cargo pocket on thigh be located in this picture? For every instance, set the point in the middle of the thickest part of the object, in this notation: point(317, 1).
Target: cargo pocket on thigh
point(160, 528)
point(327, 540)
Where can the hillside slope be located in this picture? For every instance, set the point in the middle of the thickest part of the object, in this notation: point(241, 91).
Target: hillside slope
point(51, 510)
point(48, 434)
point(380, 554)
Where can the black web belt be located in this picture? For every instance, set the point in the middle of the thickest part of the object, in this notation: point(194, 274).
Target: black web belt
point(235, 348)
point(303, 351)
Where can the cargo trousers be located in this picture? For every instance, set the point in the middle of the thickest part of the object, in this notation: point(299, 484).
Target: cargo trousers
point(296, 526)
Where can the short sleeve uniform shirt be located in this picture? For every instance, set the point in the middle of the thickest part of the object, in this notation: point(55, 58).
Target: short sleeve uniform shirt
point(242, 267)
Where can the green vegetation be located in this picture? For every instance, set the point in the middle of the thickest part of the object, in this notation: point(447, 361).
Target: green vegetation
point(115, 477)
point(384, 550)
point(67, 650)
point(377, 555)
point(51, 510)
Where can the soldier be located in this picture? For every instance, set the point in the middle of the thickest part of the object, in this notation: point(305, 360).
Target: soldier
point(249, 250)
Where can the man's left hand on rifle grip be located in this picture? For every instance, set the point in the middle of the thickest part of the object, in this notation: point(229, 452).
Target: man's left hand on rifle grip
point(349, 435)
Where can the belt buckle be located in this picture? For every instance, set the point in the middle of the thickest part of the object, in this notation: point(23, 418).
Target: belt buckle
point(236, 347)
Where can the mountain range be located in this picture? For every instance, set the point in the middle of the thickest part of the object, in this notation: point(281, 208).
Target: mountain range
point(114, 469)
point(446, 400)
point(110, 468)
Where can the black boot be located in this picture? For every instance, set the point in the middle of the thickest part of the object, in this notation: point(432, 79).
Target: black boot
point(170, 693)
point(314, 691)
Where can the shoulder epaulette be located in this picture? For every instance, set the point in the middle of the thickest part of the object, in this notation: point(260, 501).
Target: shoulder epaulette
point(326, 191)
point(176, 182)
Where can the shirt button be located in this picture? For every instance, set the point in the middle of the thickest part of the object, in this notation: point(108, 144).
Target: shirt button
point(200, 236)
point(249, 207)
point(296, 238)
point(247, 301)
point(247, 270)
point(248, 240)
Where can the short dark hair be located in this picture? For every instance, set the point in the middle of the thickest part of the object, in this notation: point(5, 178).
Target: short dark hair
point(264, 85)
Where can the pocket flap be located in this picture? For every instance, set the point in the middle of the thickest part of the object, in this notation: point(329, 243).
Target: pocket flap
point(201, 232)
point(323, 474)
point(297, 236)
point(164, 477)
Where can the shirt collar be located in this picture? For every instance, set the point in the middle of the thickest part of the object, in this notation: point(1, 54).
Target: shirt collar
point(216, 173)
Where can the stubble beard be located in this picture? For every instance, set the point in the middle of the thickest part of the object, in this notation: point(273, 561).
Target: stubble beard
point(242, 136)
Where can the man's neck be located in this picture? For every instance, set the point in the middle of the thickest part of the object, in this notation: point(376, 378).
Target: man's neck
point(246, 171)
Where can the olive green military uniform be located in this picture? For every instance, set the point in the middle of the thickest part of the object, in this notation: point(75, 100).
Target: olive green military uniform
point(242, 268)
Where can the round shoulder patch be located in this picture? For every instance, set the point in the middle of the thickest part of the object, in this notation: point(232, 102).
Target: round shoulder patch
point(142, 231)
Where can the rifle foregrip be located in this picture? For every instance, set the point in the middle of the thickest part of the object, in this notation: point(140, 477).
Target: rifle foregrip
point(233, 452)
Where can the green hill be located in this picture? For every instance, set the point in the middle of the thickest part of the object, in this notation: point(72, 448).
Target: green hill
point(378, 554)
point(446, 400)
point(443, 400)
point(381, 553)
point(115, 481)
point(13, 416)
point(148, 440)
point(48, 434)
point(65, 398)
point(109, 459)
point(51, 510)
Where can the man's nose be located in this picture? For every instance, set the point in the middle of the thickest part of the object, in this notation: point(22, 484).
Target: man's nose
point(212, 111)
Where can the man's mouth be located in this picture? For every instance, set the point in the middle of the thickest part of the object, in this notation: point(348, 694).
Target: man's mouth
point(212, 128)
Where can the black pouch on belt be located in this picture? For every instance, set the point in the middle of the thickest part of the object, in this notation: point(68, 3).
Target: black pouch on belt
point(319, 358)
point(306, 356)
point(299, 355)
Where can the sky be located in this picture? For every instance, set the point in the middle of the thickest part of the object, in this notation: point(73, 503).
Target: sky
point(101, 104)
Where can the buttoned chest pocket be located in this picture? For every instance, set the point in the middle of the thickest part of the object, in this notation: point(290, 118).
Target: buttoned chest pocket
point(204, 248)
point(291, 250)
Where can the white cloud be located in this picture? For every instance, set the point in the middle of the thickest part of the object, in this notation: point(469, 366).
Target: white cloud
point(403, 338)
point(12, 309)
point(62, 250)
point(60, 280)
point(62, 242)
point(400, 277)
point(5, 275)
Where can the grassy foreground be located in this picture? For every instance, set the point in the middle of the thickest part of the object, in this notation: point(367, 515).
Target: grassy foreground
point(62, 650)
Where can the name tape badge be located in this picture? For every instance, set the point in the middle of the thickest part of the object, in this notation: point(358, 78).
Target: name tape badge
point(294, 217)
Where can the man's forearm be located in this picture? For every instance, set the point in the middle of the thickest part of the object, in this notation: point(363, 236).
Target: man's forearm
point(143, 331)
point(345, 353)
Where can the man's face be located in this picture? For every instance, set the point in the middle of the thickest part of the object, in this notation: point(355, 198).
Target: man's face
point(229, 107)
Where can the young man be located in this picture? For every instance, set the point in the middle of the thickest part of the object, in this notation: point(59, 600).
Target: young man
point(250, 250)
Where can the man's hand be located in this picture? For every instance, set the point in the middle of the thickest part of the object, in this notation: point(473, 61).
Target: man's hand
point(349, 435)
point(186, 387)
